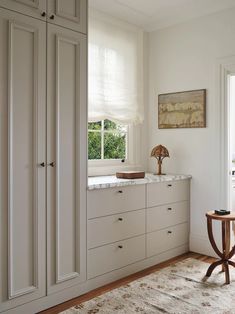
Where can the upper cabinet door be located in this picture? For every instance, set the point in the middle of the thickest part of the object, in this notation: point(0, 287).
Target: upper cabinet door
point(71, 14)
point(33, 8)
point(22, 147)
point(66, 155)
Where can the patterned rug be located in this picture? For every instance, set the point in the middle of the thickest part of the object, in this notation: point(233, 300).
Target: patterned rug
point(178, 289)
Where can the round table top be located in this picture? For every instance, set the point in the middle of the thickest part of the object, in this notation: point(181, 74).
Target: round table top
point(229, 217)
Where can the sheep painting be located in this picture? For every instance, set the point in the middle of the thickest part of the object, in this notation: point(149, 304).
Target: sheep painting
point(182, 110)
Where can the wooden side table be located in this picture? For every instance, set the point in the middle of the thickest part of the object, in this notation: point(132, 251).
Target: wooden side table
point(226, 254)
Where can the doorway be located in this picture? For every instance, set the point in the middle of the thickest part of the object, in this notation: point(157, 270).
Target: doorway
point(231, 140)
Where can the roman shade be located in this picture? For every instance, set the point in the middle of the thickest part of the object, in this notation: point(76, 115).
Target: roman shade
point(115, 71)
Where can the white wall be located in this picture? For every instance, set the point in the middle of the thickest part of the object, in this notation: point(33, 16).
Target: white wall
point(184, 57)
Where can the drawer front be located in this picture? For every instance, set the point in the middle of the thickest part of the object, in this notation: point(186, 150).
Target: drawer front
point(167, 192)
point(166, 239)
point(160, 217)
point(110, 257)
point(110, 201)
point(104, 230)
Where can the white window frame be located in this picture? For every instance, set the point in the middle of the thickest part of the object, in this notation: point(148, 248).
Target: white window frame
point(111, 166)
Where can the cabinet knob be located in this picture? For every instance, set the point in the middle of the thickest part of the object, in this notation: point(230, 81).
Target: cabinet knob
point(120, 219)
point(169, 232)
point(120, 191)
point(120, 246)
point(43, 14)
point(169, 208)
point(169, 185)
point(52, 17)
point(42, 164)
point(52, 164)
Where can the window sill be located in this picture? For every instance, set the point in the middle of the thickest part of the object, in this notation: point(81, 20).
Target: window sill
point(111, 170)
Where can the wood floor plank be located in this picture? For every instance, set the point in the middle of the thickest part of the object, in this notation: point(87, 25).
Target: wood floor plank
point(118, 283)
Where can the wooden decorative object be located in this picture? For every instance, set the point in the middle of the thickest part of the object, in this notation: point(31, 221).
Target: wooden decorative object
point(130, 175)
point(159, 152)
point(226, 254)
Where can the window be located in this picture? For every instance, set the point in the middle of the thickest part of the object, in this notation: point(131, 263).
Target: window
point(107, 140)
point(115, 94)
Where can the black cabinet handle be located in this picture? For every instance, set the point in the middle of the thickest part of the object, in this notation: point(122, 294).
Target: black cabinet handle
point(120, 246)
point(169, 208)
point(52, 164)
point(120, 191)
point(120, 219)
point(169, 232)
point(169, 185)
point(52, 17)
point(42, 164)
point(43, 14)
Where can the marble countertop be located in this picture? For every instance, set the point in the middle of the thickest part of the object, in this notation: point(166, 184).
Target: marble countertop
point(104, 182)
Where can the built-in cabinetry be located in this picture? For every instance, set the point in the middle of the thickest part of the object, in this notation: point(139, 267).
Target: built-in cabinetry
point(130, 224)
point(66, 13)
point(43, 168)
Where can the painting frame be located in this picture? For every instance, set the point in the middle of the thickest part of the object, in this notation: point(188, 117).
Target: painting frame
point(191, 107)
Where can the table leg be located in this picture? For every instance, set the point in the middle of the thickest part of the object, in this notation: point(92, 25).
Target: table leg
point(212, 267)
point(226, 269)
point(211, 238)
point(227, 238)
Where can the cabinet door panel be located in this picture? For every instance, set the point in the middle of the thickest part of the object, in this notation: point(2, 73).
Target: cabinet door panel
point(68, 13)
point(67, 180)
point(22, 144)
point(167, 192)
point(33, 8)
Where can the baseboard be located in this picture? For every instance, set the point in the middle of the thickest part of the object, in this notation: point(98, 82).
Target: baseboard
point(199, 244)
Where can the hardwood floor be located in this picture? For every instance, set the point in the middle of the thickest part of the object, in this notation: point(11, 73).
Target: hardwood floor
point(92, 294)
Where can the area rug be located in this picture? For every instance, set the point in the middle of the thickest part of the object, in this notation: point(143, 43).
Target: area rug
point(179, 289)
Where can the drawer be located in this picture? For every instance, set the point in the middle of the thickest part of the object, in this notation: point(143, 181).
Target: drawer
point(163, 216)
point(109, 257)
point(103, 202)
point(113, 228)
point(166, 239)
point(167, 192)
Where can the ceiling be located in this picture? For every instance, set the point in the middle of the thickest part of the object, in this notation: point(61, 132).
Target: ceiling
point(155, 14)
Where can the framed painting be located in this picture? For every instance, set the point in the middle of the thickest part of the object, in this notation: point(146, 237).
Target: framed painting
point(182, 110)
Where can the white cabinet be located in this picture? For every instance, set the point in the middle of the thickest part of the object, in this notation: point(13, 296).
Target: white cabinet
point(68, 13)
point(167, 239)
point(113, 228)
point(66, 99)
point(167, 192)
point(106, 258)
point(167, 216)
point(115, 200)
point(32, 8)
point(71, 14)
point(22, 147)
point(136, 224)
point(115, 240)
point(43, 157)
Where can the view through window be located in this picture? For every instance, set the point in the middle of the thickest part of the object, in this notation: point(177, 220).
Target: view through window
point(107, 140)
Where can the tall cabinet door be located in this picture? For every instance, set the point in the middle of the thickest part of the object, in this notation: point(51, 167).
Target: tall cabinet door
point(33, 8)
point(68, 13)
point(22, 150)
point(66, 157)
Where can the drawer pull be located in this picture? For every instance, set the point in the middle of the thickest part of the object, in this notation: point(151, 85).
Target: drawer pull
point(169, 232)
point(120, 246)
point(169, 185)
point(120, 219)
point(169, 208)
point(120, 191)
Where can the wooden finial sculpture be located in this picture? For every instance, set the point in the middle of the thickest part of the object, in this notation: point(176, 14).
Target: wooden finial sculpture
point(159, 152)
